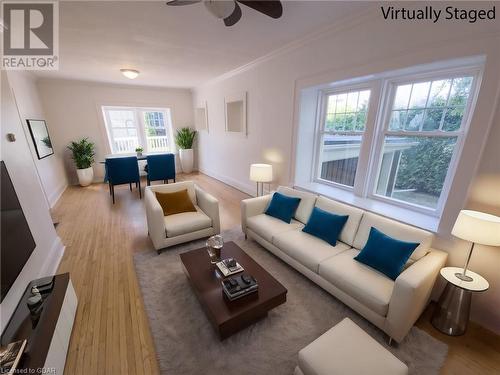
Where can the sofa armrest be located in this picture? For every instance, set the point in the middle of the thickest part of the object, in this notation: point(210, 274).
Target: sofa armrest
point(252, 207)
point(210, 206)
point(411, 293)
point(155, 219)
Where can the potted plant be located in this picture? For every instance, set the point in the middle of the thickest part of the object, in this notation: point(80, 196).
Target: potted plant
point(139, 151)
point(83, 155)
point(184, 139)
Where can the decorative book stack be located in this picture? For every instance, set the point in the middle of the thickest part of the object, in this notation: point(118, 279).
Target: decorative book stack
point(239, 286)
point(229, 267)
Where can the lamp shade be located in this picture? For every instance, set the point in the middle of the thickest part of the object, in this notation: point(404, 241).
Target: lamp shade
point(261, 172)
point(477, 227)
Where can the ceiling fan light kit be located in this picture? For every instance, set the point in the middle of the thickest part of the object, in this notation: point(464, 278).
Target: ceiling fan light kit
point(220, 8)
point(229, 10)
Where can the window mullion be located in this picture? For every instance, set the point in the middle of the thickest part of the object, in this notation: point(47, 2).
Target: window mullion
point(141, 129)
point(425, 107)
point(422, 134)
point(109, 131)
point(446, 107)
point(368, 140)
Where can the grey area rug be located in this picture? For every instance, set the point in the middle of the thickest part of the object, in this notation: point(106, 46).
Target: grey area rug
point(187, 344)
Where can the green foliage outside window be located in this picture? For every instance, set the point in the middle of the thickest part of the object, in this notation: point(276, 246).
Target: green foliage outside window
point(424, 166)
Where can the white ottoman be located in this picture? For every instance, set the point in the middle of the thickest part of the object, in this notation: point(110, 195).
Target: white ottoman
point(347, 350)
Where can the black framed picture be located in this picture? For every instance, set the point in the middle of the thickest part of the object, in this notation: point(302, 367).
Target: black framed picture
point(41, 139)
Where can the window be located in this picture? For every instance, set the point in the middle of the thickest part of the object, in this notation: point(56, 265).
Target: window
point(130, 127)
point(341, 135)
point(394, 138)
point(419, 140)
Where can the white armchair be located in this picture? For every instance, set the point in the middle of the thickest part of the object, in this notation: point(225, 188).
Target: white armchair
point(166, 231)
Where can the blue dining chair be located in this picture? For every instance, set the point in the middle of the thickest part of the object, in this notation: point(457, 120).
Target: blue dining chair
point(122, 170)
point(161, 167)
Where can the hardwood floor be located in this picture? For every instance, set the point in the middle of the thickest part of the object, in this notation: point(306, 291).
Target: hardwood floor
point(111, 333)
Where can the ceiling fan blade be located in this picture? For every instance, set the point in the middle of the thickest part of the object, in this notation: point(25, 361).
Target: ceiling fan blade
point(270, 8)
point(234, 17)
point(182, 2)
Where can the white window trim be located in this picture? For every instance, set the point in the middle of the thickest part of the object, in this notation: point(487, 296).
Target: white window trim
point(320, 132)
point(141, 126)
point(382, 130)
point(382, 90)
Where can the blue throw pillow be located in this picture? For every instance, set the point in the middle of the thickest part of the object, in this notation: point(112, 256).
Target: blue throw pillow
point(283, 207)
point(385, 253)
point(325, 225)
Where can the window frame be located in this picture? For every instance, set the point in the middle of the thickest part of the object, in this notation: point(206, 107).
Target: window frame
point(382, 130)
point(382, 94)
point(320, 132)
point(140, 126)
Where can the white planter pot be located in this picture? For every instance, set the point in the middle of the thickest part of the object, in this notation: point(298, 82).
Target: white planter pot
point(186, 156)
point(85, 176)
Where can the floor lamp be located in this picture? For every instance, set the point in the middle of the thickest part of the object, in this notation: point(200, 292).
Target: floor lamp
point(261, 173)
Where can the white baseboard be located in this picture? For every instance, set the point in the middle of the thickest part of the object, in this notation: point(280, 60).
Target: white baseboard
point(54, 197)
point(250, 189)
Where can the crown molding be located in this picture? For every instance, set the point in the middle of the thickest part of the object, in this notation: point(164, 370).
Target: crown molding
point(339, 26)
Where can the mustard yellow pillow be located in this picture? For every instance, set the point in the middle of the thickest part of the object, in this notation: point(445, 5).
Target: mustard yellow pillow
point(175, 203)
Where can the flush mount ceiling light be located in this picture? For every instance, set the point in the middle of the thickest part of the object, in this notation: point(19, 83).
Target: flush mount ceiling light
point(130, 73)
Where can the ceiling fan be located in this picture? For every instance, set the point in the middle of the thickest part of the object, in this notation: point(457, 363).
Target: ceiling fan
point(230, 11)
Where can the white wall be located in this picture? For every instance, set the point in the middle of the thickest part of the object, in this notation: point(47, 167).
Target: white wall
point(485, 196)
point(17, 157)
point(351, 48)
point(51, 168)
point(73, 109)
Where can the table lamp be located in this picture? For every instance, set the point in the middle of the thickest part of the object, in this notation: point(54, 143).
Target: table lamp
point(261, 173)
point(476, 227)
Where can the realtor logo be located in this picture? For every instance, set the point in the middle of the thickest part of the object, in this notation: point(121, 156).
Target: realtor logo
point(30, 35)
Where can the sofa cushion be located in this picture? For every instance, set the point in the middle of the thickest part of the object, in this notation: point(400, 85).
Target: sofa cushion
point(308, 250)
point(170, 188)
point(282, 207)
point(307, 201)
point(394, 229)
point(347, 349)
point(352, 224)
point(371, 288)
point(186, 222)
point(386, 254)
point(175, 203)
point(267, 226)
point(325, 225)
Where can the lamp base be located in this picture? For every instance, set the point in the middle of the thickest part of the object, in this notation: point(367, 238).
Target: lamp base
point(463, 277)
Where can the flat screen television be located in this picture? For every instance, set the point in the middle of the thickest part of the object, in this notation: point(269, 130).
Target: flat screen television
point(17, 241)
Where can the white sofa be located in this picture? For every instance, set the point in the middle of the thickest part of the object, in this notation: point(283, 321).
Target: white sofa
point(166, 231)
point(393, 306)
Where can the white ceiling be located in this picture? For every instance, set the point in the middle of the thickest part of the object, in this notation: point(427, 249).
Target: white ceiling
point(176, 46)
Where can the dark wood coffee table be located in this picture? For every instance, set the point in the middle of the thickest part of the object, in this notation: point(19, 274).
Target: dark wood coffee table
point(226, 316)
